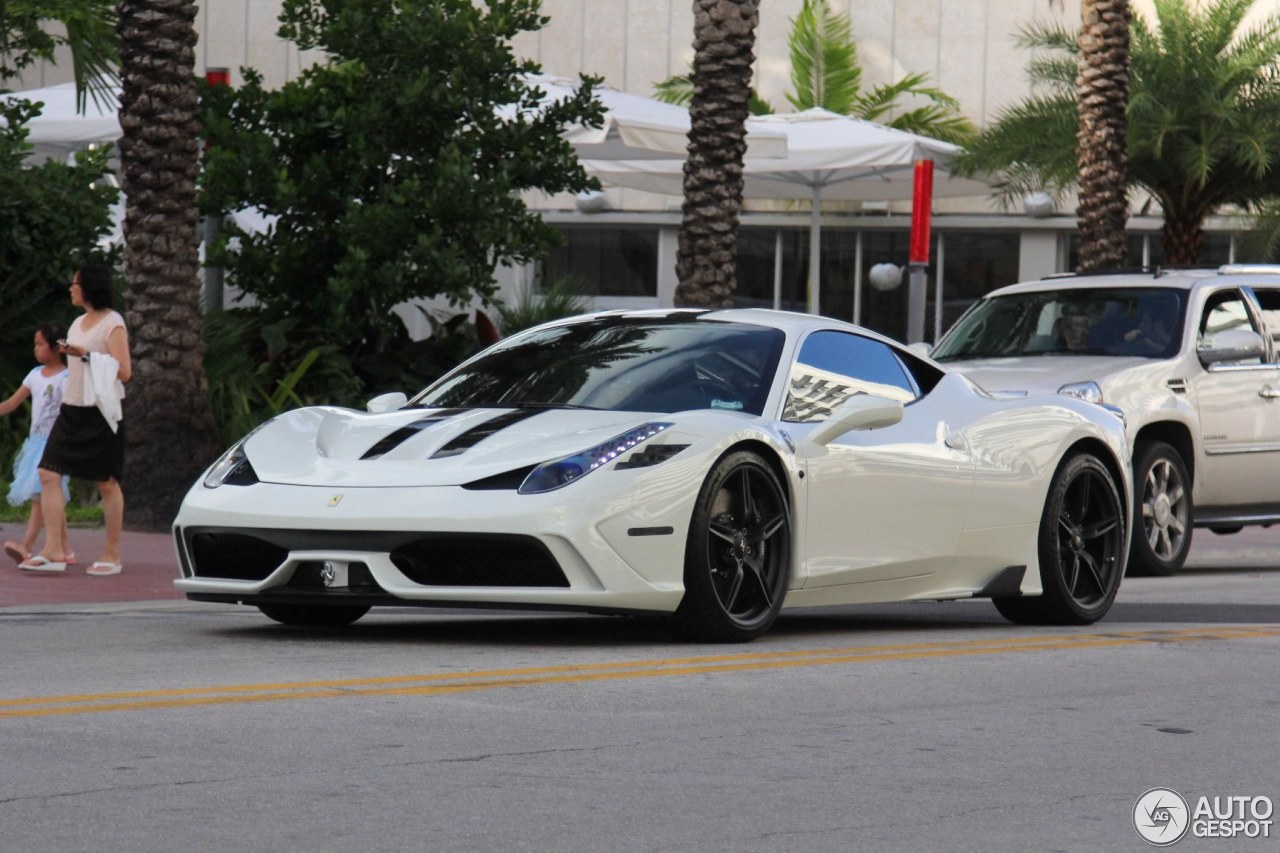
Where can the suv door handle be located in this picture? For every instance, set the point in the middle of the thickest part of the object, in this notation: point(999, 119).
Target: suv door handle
point(1269, 392)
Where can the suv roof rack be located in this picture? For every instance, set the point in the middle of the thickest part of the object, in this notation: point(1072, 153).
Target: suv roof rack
point(1249, 269)
point(1154, 271)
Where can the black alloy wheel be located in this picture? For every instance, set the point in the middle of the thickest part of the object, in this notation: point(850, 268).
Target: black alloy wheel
point(313, 616)
point(738, 555)
point(1081, 548)
point(1162, 511)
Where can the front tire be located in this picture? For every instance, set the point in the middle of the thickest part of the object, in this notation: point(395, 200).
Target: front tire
point(1161, 511)
point(738, 555)
point(1081, 546)
point(318, 616)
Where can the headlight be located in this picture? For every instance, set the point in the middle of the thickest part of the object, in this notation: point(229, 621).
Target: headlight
point(1084, 390)
point(232, 468)
point(561, 472)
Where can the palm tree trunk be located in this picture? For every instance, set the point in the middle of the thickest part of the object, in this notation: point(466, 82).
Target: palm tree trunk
point(1182, 236)
point(1102, 86)
point(171, 435)
point(724, 44)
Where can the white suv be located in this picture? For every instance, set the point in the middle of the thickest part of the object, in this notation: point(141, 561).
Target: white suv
point(1192, 359)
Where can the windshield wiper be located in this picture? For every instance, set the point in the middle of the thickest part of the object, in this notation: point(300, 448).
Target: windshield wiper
point(533, 406)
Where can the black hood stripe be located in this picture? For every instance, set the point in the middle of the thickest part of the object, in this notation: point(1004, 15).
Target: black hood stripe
point(393, 440)
point(469, 439)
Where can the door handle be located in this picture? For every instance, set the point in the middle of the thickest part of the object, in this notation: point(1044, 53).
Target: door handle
point(1268, 392)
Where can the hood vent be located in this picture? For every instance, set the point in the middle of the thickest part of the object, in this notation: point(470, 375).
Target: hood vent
point(393, 440)
point(469, 439)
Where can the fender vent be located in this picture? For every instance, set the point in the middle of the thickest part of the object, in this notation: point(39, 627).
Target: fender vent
point(1177, 386)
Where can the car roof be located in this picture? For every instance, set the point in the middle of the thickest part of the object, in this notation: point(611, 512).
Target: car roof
point(1179, 279)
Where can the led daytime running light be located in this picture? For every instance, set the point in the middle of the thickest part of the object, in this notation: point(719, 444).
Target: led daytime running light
point(561, 472)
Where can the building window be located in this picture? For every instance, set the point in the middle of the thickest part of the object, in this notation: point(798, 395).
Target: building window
point(757, 250)
point(1214, 251)
point(974, 263)
point(619, 261)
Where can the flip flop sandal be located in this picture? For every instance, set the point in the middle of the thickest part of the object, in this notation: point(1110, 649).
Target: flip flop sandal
point(101, 569)
point(17, 552)
point(40, 563)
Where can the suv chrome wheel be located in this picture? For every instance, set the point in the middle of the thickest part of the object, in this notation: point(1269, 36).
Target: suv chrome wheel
point(1162, 510)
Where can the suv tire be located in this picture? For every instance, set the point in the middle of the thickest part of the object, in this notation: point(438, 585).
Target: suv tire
point(1162, 511)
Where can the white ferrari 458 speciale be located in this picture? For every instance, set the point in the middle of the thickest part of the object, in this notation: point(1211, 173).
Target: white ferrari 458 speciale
point(713, 465)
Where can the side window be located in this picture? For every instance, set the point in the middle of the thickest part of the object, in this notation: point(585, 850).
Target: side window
point(1224, 311)
point(1269, 301)
point(833, 366)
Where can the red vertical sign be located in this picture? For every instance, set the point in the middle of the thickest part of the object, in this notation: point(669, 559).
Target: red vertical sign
point(921, 210)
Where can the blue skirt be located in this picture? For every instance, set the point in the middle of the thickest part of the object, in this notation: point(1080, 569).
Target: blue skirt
point(26, 476)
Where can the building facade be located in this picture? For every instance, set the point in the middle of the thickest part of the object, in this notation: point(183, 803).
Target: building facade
point(621, 245)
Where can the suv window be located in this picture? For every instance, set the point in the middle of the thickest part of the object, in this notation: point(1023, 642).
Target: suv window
point(833, 366)
point(1142, 321)
point(1224, 311)
point(1269, 302)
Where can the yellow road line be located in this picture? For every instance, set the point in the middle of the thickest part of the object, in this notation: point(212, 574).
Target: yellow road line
point(441, 683)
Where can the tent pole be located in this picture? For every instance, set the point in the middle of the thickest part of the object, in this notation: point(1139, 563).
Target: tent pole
point(777, 270)
point(815, 248)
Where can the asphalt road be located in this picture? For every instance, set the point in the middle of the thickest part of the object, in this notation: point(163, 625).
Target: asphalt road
point(162, 725)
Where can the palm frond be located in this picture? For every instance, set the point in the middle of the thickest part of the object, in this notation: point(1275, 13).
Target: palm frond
point(824, 60)
point(675, 90)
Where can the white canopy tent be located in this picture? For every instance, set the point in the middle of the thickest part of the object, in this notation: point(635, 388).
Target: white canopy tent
point(60, 129)
point(635, 127)
point(640, 128)
point(828, 156)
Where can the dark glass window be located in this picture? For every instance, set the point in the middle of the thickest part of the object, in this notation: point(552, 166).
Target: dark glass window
point(1214, 251)
point(757, 248)
point(974, 264)
point(619, 261)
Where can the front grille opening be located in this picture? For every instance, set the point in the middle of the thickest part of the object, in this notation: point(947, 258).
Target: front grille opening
point(478, 560)
point(235, 556)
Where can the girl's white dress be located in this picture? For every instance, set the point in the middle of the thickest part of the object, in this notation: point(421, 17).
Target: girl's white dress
point(46, 400)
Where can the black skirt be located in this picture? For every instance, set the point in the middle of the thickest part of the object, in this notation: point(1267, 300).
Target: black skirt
point(82, 445)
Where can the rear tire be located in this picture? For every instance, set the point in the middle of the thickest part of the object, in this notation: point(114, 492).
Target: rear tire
point(1162, 511)
point(313, 616)
point(738, 555)
point(1081, 548)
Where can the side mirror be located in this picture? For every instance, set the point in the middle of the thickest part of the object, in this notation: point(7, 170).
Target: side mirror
point(386, 402)
point(920, 348)
point(861, 411)
point(1231, 345)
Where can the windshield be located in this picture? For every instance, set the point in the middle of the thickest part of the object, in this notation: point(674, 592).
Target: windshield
point(620, 364)
point(1135, 321)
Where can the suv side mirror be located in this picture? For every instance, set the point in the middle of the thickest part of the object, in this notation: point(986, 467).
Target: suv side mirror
point(920, 348)
point(861, 411)
point(386, 402)
point(1231, 345)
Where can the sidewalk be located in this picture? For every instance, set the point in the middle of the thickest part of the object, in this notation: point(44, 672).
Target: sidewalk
point(150, 567)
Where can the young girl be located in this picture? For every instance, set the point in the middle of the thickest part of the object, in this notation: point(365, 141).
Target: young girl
point(44, 386)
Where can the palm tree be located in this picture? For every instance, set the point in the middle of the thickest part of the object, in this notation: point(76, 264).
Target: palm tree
point(171, 430)
point(1102, 98)
point(724, 44)
point(87, 31)
point(825, 73)
point(1203, 117)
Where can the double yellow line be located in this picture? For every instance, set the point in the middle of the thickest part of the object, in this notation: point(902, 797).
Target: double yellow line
point(440, 683)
